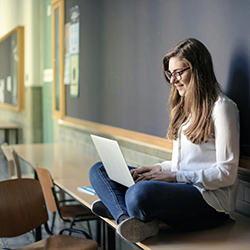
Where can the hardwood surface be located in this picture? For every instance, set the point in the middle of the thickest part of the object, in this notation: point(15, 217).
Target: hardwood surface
point(8, 125)
point(70, 168)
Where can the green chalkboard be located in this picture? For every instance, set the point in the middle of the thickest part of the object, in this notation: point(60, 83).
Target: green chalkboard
point(122, 44)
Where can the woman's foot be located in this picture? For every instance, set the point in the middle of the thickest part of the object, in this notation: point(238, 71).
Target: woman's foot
point(99, 209)
point(135, 230)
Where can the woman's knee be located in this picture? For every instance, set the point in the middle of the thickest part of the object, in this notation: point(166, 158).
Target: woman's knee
point(93, 172)
point(138, 199)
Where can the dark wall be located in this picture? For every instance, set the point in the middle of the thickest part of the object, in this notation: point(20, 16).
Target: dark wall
point(122, 46)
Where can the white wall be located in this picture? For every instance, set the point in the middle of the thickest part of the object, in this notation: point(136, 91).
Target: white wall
point(25, 13)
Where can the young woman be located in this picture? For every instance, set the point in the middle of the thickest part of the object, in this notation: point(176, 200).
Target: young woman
point(197, 189)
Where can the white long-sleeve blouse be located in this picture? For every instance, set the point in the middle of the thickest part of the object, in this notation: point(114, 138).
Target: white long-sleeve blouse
point(211, 167)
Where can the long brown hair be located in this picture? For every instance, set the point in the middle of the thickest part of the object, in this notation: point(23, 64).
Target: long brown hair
point(203, 89)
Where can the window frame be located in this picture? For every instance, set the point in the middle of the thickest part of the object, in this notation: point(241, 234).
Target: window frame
point(58, 113)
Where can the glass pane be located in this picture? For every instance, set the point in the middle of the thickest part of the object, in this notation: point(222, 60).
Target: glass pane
point(57, 81)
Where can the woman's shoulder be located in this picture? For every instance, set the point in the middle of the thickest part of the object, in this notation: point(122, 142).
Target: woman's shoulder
point(224, 103)
point(222, 99)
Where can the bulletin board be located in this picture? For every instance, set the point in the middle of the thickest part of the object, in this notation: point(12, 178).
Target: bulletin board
point(12, 69)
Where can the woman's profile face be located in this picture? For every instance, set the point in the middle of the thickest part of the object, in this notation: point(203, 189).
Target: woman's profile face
point(176, 65)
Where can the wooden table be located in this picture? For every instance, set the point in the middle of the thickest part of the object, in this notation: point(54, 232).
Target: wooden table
point(7, 127)
point(69, 169)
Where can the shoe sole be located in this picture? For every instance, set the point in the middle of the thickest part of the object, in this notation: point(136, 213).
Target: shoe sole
point(135, 230)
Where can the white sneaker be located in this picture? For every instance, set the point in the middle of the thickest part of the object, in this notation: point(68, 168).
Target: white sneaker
point(136, 230)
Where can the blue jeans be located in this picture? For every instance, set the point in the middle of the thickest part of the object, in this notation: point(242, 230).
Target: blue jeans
point(180, 206)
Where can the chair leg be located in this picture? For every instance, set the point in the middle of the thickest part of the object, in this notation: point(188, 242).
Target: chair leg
point(72, 224)
point(61, 194)
point(90, 233)
point(53, 222)
point(3, 243)
point(89, 229)
point(98, 231)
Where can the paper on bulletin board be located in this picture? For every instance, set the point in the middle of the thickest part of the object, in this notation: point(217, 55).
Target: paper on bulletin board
point(74, 30)
point(74, 50)
point(74, 76)
point(67, 55)
point(9, 87)
point(67, 69)
point(66, 38)
point(2, 88)
point(74, 38)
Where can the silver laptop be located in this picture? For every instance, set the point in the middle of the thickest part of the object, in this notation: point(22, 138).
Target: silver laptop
point(113, 160)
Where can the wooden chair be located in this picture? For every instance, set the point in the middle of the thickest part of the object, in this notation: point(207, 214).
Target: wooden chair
point(8, 155)
point(13, 163)
point(23, 208)
point(68, 213)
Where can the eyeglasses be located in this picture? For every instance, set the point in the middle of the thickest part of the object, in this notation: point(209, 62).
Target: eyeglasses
point(176, 74)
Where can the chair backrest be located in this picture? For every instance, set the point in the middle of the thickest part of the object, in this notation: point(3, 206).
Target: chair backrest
point(22, 207)
point(47, 183)
point(16, 163)
point(8, 155)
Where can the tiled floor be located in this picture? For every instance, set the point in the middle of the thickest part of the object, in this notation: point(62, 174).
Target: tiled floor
point(29, 237)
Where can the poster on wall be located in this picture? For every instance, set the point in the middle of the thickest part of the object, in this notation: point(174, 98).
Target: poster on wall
point(74, 49)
